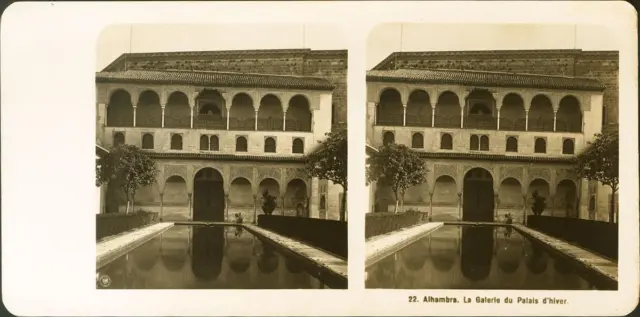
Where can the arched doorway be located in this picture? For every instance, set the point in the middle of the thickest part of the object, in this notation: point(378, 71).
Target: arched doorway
point(208, 196)
point(477, 252)
point(477, 196)
point(207, 252)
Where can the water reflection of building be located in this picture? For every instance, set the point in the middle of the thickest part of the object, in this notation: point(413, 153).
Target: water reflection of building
point(494, 126)
point(214, 257)
point(473, 258)
point(224, 127)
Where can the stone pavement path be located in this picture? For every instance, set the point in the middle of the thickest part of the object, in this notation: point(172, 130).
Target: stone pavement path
point(321, 258)
point(379, 247)
point(602, 265)
point(112, 248)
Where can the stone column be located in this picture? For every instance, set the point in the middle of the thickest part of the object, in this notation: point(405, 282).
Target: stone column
point(282, 205)
point(226, 204)
point(134, 116)
point(433, 117)
point(498, 125)
point(228, 118)
point(404, 115)
point(495, 207)
point(430, 206)
point(256, 121)
point(190, 214)
point(462, 117)
point(191, 113)
point(524, 210)
point(284, 121)
point(555, 116)
point(106, 112)
point(314, 202)
point(161, 206)
point(526, 119)
point(460, 206)
point(163, 106)
point(255, 209)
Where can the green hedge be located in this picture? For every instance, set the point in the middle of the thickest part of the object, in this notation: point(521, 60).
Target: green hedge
point(384, 222)
point(114, 223)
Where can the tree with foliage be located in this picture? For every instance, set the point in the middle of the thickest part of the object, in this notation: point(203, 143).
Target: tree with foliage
point(539, 203)
point(269, 203)
point(329, 161)
point(127, 167)
point(599, 162)
point(399, 167)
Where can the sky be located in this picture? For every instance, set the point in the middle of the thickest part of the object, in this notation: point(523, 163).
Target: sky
point(118, 39)
point(385, 38)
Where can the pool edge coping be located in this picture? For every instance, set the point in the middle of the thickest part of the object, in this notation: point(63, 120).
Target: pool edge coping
point(131, 241)
point(252, 227)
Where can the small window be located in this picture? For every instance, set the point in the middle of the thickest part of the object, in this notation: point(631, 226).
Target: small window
point(568, 146)
point(446, 142)
point(269, 145)
point(417, 141)
point(474, 143)
point(298, 146)
point(540, 146)
point(512, 144)
point(118, 139)
point(215, 143)
point(204, 143)
point(323, 203)
point(388, 138)
point(147, 141)
point(484, 143)
point(241, 144)
point(176, 142)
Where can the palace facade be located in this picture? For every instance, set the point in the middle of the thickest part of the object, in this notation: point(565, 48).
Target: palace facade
point(494, 126)
point(223, 127)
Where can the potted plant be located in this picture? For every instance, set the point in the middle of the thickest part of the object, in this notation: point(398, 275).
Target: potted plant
point(269, 203)
point(508, 218)
point(539, 203)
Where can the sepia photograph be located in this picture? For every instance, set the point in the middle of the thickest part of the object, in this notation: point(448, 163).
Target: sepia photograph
point(492, 157)
point(220, 163)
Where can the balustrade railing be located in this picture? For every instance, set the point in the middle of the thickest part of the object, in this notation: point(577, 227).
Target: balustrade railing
point(246, 124)
point(519, 124)
point(480, 122)
point(540, 124)
point(209, 122)
point(215, 123)
point(418, 121)
point(390, 119)
point(296, 125)
point(447, 121)
point(270, 124)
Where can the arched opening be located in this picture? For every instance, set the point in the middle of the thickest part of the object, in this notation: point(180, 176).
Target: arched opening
point(419, 109)
point(208, 195)
point(477, 252)
point(272, 187)
point(446, 142)
point(474, 142)
point(207, 252)
point(569, 115)
point(118, 139)
point(296, 197)
point(484, 143)
point(416, 196)
point(512, 144)
point(509, 250)
point(149, 111)
point(240, 195)
point(211, 111)
point(390, 110)
point(174, 247)
point(269, 145)
point(414, 256)
point(241, 144)
point(146, 255)
point(147, 141)
point(239, 250)
point(297, 146)
point(175, 197)
point(242, 114)
point(568, 146)
point(268, 259)
point(298, 114)
point(445, 199)
point(176, 142)
point(447, 111)
point(566, 199)
point(417, 141)
point(542, 188)
point(323, 202)
point(512, 113)
point(541, 114)
point(444, 248)
point(540, 145)
point(388, 138)
point(510, 196)
point(177, 112)
point(480, 111)
point(120, 109)
point(214, 144)
point(270, 114)
point(204, 143)
point(535, 258)
point(147, 195)
point(477, 196)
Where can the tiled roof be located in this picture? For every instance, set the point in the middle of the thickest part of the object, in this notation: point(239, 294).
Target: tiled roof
point(496, 157)
point(219, 79)
point(226, 157)
point(482, 78)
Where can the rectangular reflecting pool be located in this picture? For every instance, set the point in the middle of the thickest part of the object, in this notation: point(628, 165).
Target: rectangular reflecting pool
point(477, 257)
point(207, 257)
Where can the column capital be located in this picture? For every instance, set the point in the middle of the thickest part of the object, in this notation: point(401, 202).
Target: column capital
point(189, 194)
point(163, 105)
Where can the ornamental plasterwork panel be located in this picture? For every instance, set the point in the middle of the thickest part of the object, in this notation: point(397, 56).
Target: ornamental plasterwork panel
point(565, 173)
point(218, 167)
point(542, 173)
point(241, 171)
point(269, 172)
point(293, 173)
point(178, 170)
point(444, 169)
point(467, 167)
point(516, 172)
